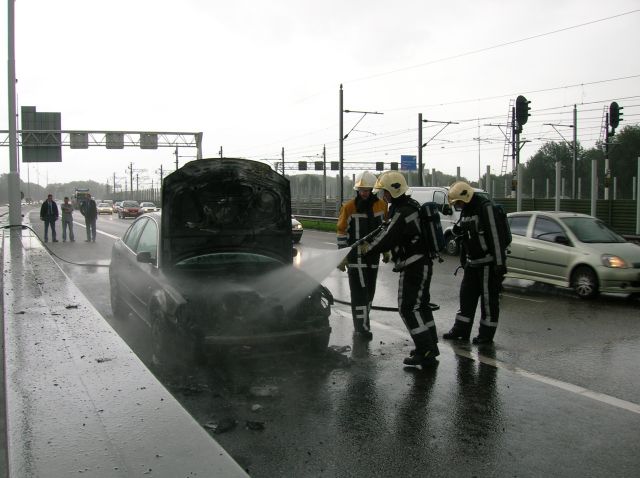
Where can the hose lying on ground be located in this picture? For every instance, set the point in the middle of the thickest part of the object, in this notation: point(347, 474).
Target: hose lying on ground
point(23, 226)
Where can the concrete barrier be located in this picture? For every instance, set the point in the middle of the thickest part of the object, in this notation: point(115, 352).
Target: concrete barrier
point(79, 402)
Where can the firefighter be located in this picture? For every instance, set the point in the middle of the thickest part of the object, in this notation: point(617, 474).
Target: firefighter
point(484, 263)
point(404, 238)
point(359, 217)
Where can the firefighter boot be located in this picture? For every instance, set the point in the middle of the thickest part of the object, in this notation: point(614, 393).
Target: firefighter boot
point(425, 352)
point(457, 332)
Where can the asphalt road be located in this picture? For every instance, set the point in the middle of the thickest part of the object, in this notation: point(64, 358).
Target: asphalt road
point(557, 395)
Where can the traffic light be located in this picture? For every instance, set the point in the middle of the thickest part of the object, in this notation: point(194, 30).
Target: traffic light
point(522, 110)
point(615, 114)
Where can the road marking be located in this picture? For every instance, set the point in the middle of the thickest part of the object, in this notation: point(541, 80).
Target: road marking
point(522, 298)
point(97, 231)
point(330, 243)
point(569, 387)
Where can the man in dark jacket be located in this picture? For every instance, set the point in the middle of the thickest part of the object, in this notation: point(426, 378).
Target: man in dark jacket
point(404, 238)
point(49, 214)
point(90, 212)
point(484, 262)
point(359, 217)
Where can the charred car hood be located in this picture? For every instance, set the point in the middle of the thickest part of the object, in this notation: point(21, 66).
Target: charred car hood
point(225, 205)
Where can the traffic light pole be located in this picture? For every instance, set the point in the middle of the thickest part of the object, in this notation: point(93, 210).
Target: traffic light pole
point(607, 172)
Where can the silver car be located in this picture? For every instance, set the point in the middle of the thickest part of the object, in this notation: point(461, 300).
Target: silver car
point(572, 250)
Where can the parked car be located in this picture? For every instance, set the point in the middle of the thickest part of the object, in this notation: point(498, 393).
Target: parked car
point(117, 206)
point(296, 230)
point(148, 207)
point(129, 209)
point(213, 272)
point(572, 250)
point(105, 208)
point(448, 215)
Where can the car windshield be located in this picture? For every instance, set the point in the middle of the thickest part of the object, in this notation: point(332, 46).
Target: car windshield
point(147, 204)
point(130, 204)
point(206, 261)
point(104, 204)
point(591, 230)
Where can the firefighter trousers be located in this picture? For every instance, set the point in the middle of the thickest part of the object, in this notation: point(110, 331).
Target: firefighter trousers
point(413, 304)
point(479, 283)
point(362, 283)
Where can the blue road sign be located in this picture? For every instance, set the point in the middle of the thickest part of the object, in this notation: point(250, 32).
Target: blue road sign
point(407, 162)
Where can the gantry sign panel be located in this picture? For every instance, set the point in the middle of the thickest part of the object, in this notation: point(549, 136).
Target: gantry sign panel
point(42, 139)
point(43, 147)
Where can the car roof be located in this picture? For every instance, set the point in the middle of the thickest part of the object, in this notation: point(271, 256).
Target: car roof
point(557, 214)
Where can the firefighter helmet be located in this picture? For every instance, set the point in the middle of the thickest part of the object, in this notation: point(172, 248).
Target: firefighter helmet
point(392, 181)
point(365, 180)
point(460, 191)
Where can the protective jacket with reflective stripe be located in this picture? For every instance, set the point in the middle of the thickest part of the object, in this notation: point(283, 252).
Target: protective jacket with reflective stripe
point(480, 239)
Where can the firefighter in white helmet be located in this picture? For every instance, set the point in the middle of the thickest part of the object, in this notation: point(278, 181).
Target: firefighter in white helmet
point(359, 217)
point(404, 238)
point(484, 262)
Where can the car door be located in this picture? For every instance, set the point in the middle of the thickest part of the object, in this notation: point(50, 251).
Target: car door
point(144, 274)
point(123, 261)
point(547, 259)
point(517, 250)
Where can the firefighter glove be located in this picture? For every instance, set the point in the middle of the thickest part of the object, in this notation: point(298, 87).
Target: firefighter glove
point(363, 248)
point(343, 264)
point(386, 256)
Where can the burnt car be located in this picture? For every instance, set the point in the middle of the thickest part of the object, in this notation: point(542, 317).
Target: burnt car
point(213, 271)
point(129, 209)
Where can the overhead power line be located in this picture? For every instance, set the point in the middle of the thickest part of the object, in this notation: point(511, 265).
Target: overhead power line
point(493, 47)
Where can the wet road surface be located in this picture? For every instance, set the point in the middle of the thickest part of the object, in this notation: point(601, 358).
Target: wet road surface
point(562, 399)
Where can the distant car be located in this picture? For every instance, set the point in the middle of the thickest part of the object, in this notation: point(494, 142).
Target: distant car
point(148, 207)
point(116, 206)
point(296, 230)
point(129, 209)
point(572, 250)
point(105, 208)
point(213, 273)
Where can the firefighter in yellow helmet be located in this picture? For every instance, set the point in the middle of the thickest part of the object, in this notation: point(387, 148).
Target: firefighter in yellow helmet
point(483, 259)
point(359, 217)
point(404, 238)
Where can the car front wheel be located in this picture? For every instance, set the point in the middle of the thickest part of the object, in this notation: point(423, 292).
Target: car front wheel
point(451, 245)
point(585, 282)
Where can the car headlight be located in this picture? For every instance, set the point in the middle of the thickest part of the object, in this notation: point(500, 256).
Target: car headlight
point(298, 226)
point(609, 260)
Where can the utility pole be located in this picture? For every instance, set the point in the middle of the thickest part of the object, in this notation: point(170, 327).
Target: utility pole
point(575, 152)
point(420, 175)
point(343, 137)
point(341, 147)
point(114, 183)
point(131, 176)
point(324, 179)
point(422, 145)
point(176, 153)
point(220, 151)
point(282, 156)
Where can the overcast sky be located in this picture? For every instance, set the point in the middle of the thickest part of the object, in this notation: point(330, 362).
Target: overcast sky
point(257, 76)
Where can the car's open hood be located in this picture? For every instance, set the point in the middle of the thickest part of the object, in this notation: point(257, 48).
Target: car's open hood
point(223, 205)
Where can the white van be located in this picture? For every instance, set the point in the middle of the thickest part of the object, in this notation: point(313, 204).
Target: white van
point(440, 196)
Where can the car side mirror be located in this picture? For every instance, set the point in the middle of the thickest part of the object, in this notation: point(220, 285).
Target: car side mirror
point(294, 252)
point(564, 240)
point(145, 257)
point(446, 209)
